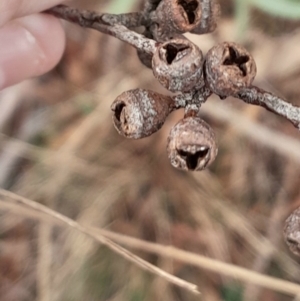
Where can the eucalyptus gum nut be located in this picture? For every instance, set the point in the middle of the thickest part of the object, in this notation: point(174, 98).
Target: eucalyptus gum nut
point(229, 68)
point(192, 144)
point(139, 113)
point(177, 65)
point(178, 15)
point(211, 12)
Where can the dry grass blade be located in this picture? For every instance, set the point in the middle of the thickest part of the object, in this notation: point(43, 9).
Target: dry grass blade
point(30, 151)
point(7, 196)
point(274, 235)
point(105, 236)
point(226, 269)
point(44, 262)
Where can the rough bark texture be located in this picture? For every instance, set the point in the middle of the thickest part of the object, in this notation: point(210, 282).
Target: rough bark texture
point(256, 96)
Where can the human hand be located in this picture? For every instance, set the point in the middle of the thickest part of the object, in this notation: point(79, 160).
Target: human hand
point(30, 43)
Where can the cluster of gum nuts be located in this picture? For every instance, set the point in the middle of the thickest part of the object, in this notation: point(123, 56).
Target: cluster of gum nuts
point(180, 67)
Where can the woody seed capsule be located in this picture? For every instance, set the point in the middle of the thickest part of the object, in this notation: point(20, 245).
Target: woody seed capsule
point(229, 68)
point(177, 65)
point(139, 113)
point(192, 144)
point(209, 17)
point(178, 16)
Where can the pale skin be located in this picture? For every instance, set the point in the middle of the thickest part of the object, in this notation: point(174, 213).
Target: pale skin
point(31, 43)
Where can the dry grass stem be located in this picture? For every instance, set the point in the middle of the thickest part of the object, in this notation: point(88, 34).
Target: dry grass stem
point(105, 237)
point(222, 268)
point(44, 262)
point(8, 196)
point(263, 259)
point(30, 151)
point(238, 223)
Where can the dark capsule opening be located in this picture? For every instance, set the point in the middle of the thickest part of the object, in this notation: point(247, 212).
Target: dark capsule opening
point(190, 7)
point(192, 160)
point(292, 241)
point(172, 50)
point(118, 110)
point(236, 59)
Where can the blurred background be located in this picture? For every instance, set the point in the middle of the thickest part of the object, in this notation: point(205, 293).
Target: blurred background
point(58, 147)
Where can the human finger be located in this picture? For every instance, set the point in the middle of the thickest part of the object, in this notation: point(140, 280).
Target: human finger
point(30, 46)
point(11, 9)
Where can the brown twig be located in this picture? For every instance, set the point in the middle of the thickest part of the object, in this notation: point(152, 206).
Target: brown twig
point(107, 24)
point(257, 96)
point(87, 18)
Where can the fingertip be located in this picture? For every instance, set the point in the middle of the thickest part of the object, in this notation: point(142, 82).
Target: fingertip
point(49, 41)
point(31, 46)
point(12, 9)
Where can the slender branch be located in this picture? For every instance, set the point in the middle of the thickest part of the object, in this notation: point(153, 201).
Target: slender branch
point(257, 96)
point(108, 24)
point(10, 197)
point(82, 18)
point(122, 33)
point(86, 18)
point(129, 20)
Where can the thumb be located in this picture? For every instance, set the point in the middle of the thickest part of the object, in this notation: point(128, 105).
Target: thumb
point(30, 46)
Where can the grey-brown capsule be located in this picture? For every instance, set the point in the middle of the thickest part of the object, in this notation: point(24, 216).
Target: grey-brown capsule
point(229, 68)
point(192, 144)
point(139, 113)
point(210, 14)
point(177, 64)
point(292, 232)
point(178, 16)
